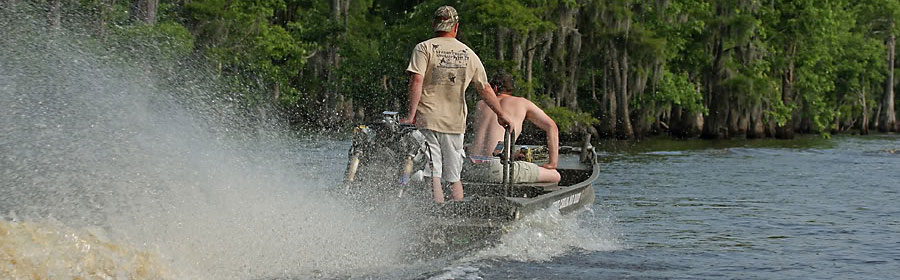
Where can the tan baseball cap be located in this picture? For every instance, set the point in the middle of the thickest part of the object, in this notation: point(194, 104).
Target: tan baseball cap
point(445, 18)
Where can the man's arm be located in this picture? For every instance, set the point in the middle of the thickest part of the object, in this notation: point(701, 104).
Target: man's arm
point(481, 125)
point(415, 94)
point(490, 98)
point(540, 119)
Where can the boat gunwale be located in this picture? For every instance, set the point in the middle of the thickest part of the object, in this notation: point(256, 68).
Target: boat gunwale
point(524, 206)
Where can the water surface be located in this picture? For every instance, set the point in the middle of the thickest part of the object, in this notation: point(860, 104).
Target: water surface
point(769, 209)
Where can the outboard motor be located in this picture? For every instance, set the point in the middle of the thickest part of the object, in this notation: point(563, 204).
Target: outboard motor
point(377, 149)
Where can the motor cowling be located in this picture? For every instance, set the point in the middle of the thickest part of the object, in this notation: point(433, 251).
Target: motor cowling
point(379, 146)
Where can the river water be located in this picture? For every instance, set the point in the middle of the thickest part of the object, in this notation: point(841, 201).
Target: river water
point(108, 171)
point(765, 209)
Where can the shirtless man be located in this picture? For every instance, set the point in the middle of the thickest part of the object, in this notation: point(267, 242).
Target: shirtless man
point(483, 165)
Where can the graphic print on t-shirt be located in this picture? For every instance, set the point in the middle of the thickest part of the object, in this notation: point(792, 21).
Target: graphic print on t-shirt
point(451, 67)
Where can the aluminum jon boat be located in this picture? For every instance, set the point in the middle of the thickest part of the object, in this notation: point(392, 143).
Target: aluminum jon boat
point(386, 162)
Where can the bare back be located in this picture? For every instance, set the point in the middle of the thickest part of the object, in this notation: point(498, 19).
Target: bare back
point(488, 132)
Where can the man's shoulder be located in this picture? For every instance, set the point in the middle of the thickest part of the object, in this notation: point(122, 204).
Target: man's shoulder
point(450, 42)
point(463, 44)
point(517, 100)
point(422, 45)
point(432, 39)
point(436, 43)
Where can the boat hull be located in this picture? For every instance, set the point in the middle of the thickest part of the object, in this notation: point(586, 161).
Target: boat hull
point(379, 173)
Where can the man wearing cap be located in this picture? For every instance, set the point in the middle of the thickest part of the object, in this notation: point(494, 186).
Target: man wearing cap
point(440, 70)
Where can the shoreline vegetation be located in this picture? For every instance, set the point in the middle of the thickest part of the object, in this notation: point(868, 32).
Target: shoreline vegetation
point(625, 69)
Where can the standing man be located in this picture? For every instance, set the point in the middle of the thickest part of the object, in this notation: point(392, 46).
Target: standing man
point(440, 70)
point(483, 166)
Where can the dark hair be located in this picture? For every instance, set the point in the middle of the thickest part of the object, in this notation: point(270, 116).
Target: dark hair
point(504, 82)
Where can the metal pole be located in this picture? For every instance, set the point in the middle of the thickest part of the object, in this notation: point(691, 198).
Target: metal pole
point(504, 156)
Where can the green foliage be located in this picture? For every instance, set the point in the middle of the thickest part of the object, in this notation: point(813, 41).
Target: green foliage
point(675, 89)
point(512, 14)
point(254, 53)
point(780, 112)
point(165, 41)
point(679, 53)
point(567, 120)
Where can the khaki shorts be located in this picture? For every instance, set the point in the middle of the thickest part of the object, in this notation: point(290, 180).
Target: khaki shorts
point(491, 171)
point(446, 153)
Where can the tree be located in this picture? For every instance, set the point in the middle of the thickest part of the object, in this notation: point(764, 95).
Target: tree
point(144, 11)
point(879, 18)
point(713, 68)
point(736, 75)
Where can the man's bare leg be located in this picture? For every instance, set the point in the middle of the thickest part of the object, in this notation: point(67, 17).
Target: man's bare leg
point(548, 175)
point(457, 189)
point(436, 191)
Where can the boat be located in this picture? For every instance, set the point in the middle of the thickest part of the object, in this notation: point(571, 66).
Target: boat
point(386, 162)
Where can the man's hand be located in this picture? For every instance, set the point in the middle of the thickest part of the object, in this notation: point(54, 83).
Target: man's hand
point(408, 120)
point(549, 165)
point(503, 120)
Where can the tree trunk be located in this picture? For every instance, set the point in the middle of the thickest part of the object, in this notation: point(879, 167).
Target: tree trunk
point(106, 7)
point(574, 53)
point(332, 60)
point(612, 109)
point(502, 33)
point(144, 11)
point(518, 49)
point(889, 117)
point(676, 116)
point(771, 125)
point(55, 14)
point(615, 80)
point(741, 121)
point(276, 92)
point(347, 108)
point(556, 81)
point(545, 49)
point(594, 87)
point(684, 124)
point(623, 124)
point(836, 124)
point(757, 128)
point(336, 7)
point(608, 96)
point(786, 131)
point(529, 66)
point(864, 126)
point(805, 125)
point(715, 126)
point(345, 8)
point(560, 65)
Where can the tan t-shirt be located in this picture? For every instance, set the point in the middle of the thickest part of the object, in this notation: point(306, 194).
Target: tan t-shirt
point(448, 67)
